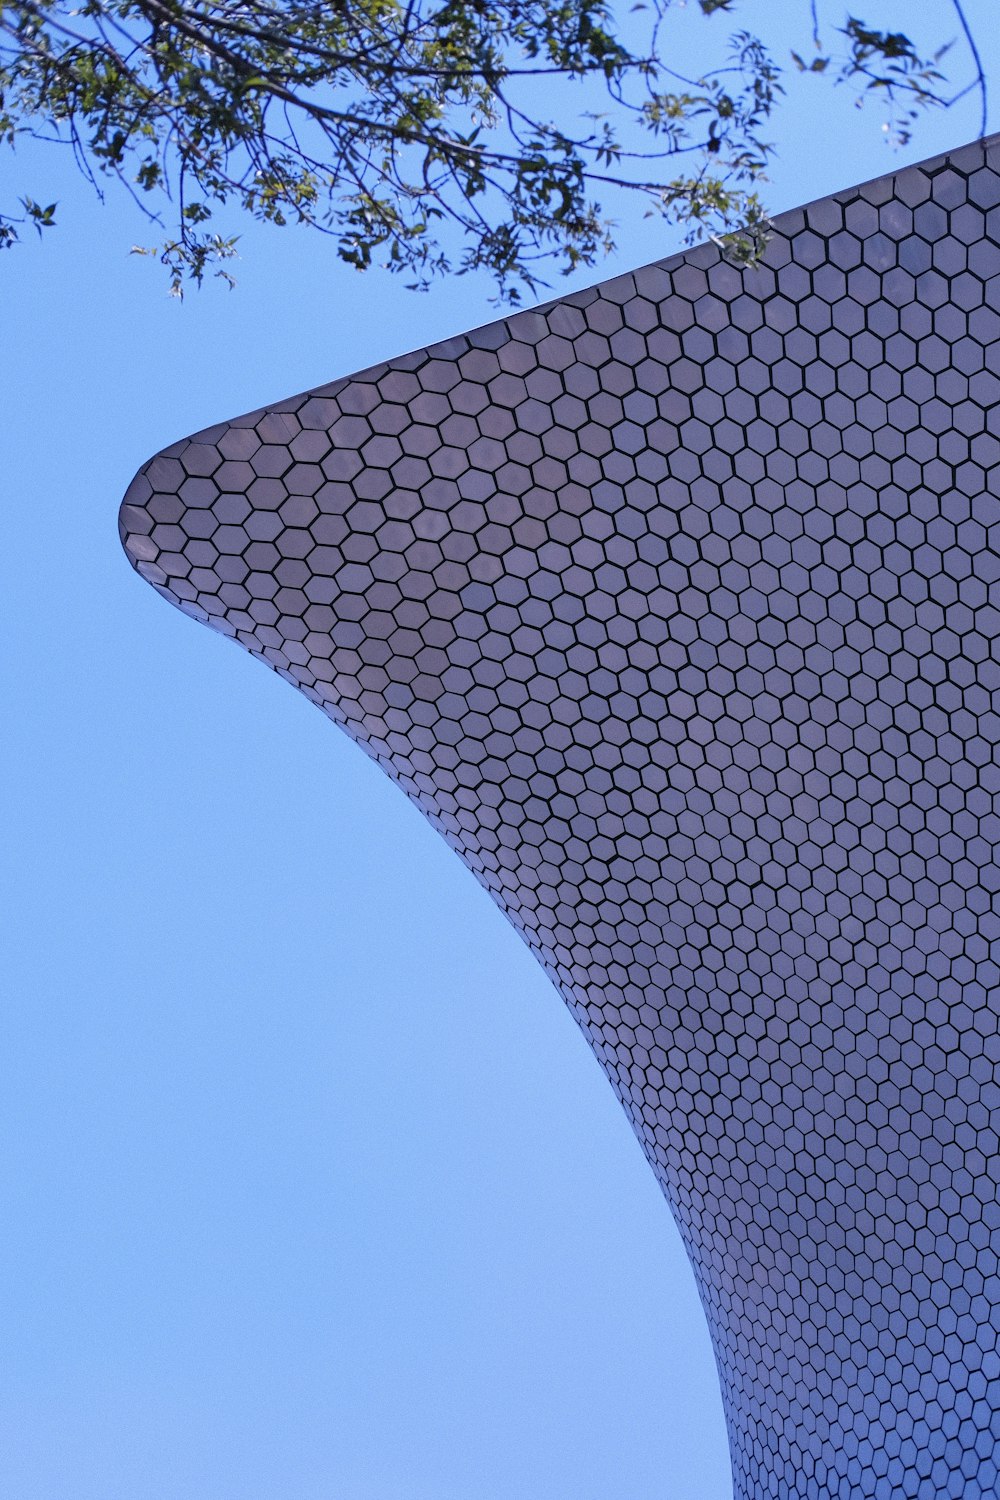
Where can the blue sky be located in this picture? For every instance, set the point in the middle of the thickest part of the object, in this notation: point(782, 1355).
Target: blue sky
point(310, 1186)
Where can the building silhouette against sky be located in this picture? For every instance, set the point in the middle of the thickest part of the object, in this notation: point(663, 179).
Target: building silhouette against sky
point(675, 606)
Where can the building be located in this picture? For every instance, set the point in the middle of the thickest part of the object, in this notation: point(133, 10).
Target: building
point(675, 606)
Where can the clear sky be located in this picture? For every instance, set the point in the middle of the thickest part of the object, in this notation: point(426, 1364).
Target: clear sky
point(311, 1189)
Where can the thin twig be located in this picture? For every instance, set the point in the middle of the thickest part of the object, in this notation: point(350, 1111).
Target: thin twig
point(815, 22)
point(977, 59)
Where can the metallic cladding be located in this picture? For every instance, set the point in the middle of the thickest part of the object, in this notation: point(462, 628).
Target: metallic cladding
point(675, 606)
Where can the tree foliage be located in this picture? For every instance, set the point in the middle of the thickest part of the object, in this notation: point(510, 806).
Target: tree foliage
point(427, 135)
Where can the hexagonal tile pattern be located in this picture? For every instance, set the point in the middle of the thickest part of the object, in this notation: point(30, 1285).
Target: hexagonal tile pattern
point(675, 607)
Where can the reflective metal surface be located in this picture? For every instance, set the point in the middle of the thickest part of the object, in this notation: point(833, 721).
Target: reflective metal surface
point(675, 606)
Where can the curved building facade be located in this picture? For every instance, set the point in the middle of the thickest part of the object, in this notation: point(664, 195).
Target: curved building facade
point(675, 606)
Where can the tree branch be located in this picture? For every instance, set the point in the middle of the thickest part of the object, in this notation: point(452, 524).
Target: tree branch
point(980, 82)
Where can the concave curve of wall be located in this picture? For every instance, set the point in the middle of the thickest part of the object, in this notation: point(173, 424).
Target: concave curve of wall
point(674, 605)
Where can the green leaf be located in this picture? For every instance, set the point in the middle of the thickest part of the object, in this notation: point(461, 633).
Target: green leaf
point(431, 137)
